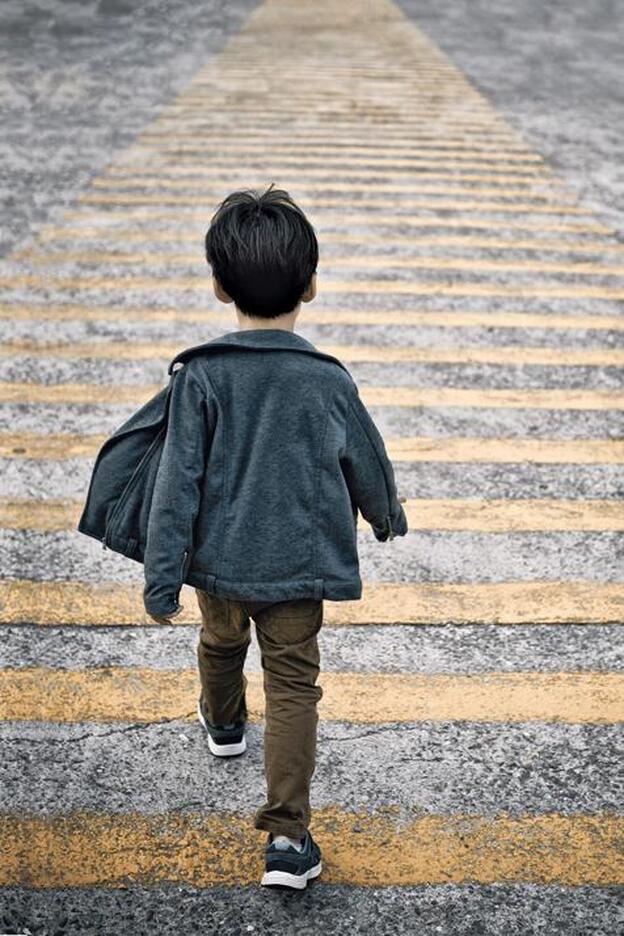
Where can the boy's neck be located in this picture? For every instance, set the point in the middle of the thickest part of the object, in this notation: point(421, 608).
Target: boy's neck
point(283, 322)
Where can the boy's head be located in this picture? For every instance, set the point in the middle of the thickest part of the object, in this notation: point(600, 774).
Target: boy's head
point(263, 252)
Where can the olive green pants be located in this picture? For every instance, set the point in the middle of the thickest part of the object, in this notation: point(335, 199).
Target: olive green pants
point(287, 637)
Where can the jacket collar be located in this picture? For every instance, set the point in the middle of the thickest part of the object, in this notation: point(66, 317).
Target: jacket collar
point(255, 338)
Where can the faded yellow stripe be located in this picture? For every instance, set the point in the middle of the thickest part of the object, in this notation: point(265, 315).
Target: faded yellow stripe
point(495, 129)
point(153, 143)
point(207, 177)
point(203, 284)
point(371, 221)
point(449, 319)
point(380, 262)
point(119, 187)
point(153, 235)
point(494, 398)
point(408, 448)
point(79, 603)
point(133, 694)
point(538, 451)
point(346, 134)
point(359, 849)
point(320, 165)
point(422, 146)
point(513, 354)
point(452, 115)
point(493, 516)
point(511, 516)
point(97, 198)
point(427, 397)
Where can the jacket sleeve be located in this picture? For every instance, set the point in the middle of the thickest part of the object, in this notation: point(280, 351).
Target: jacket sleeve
point(177, 493)
point(369, 474)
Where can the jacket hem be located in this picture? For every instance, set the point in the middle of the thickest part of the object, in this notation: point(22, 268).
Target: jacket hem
point(287, 590)
point(290, 589)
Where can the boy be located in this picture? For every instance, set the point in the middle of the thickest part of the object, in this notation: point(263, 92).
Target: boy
point(268, 456)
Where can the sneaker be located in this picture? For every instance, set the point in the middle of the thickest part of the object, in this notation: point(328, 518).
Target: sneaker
point(223, 740)
point(287, 867)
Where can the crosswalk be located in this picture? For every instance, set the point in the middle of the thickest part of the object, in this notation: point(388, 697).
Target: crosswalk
point(473, 697)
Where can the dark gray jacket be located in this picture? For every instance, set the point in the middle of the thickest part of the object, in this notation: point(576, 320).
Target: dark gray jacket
point(269, 452)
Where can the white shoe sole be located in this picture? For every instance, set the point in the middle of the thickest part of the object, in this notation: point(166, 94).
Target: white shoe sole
point(298, 881)
point(221, 750)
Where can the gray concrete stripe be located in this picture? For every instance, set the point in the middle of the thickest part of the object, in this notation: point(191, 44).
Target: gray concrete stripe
point(443, 768)
point(364, 301)
point(472, 270)
point(71, 331)
point(446, 648)
point(460, 910)
point(70, 478)
point(416, 557)
point(368, 292)
point(93, 419)
point(51, 370)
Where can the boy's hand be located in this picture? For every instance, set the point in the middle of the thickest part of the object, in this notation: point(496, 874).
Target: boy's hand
point(166, 620)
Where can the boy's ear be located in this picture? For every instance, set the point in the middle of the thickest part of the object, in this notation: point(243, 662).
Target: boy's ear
point(219, 292)
point(310, 292)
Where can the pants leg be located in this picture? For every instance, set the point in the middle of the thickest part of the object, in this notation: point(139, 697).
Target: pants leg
point(288, 638)
point(223, 643)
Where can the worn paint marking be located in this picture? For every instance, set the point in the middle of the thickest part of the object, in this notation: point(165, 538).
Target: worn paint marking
point(388, 847)
point(109, 604)
point(490, 516)
point(133, 694)
point(403, 448)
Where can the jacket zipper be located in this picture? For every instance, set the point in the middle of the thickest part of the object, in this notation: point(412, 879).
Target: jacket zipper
point(182, 574)
point(128, 488)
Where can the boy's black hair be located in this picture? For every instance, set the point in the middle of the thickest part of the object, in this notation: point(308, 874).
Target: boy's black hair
point(262, 250)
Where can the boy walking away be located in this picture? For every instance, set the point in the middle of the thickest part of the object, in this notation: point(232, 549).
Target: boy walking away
point(269, 455)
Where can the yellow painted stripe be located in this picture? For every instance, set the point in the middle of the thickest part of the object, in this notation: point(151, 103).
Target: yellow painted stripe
point(78, 603)
point(359, 849)
point(314, 129)
point(320, 166)
point(494, 516)
point(537, 451)
point(381, 262)
point(402, 448)
point(119, 187)
point(151, 236)
point(202, 283)
point(437, 319)
point(485, 398)
point(517, 355)
point(462, 132)
point(369, 220)
point(475, 146)
point(427, 397)
point(455, 204)
point(453, 113)
point(511, 516)
point(449, 108)
point(133, 694)
point(300, 172)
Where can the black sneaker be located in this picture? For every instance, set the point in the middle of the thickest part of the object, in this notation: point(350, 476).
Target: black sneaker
point(287, 867)
point(223, 741)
